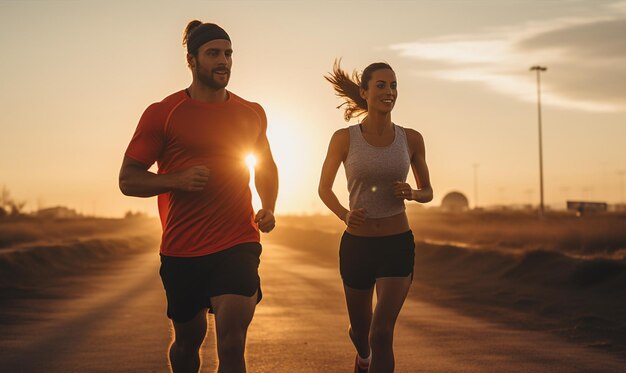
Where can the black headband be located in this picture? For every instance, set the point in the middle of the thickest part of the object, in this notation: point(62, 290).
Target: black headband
point(204, 33)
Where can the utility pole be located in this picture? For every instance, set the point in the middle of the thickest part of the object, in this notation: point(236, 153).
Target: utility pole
point(539, 69)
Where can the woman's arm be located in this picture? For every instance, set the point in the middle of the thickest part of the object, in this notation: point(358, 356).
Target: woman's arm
point(424, 191)
point(337, 152)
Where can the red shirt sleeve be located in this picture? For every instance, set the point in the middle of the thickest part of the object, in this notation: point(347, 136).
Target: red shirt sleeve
point(149, 138)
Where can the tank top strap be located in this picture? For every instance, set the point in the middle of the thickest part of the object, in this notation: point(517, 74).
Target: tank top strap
point(403, 141)
point(355, 133)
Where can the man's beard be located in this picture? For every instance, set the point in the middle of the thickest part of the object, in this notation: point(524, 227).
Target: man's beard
point(207, 78)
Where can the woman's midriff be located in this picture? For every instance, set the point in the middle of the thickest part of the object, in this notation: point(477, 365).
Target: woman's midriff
point(381, 227)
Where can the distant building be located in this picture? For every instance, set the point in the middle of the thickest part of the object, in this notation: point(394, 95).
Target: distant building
point(619, 207)
point(135, 215)
point(455, 202)
point(582, 207)
point(58, 212)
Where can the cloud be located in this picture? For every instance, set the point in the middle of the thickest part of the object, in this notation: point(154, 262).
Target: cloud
point(585, 60)
point(600, 39)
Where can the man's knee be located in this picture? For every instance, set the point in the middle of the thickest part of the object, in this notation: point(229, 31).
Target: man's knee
point(189, 342)
point(231, 343)
point(184, 349)
point(188, 337)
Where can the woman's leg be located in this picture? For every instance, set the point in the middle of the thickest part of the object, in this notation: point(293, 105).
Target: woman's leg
point(359, 304)
point(390, 294)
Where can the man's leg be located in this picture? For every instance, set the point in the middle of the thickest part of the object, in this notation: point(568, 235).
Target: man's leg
point(391, 293)
point(233, 314)
point(188, 337)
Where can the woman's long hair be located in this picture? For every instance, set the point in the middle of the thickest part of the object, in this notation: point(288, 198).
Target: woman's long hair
point(348, 87)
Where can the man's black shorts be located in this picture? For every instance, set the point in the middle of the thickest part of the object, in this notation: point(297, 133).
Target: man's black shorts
point(191, 282)
point(364, 259)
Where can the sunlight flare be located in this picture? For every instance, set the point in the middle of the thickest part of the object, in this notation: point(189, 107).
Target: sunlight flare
point(250, 161)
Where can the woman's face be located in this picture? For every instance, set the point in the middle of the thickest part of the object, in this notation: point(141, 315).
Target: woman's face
point(382, 91)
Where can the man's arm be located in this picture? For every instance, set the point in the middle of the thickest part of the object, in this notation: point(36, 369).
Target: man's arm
point(135, 179)
point(266, 182)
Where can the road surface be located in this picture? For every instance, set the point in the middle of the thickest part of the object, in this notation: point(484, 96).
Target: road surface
point(114, 321)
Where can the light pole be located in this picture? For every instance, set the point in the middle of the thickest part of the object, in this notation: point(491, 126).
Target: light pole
point(539, 69)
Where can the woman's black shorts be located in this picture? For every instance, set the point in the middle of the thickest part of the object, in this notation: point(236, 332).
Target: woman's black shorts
point(191, 282)
point(364, 259)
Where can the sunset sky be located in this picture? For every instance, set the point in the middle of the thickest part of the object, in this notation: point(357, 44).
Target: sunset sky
point(77, 75)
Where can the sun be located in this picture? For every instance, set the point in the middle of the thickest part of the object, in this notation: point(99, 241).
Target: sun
point(250, 161)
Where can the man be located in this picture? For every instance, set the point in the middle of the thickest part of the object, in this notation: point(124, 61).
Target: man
point(210, 247)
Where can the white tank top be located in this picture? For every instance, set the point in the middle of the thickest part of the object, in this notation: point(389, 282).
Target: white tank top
point(372, 170)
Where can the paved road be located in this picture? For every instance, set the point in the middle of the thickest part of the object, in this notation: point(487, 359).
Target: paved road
point(114, 322)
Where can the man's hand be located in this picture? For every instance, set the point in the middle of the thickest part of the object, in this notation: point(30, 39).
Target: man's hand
point(193, 179)
point(355, 217)
point(265, 219)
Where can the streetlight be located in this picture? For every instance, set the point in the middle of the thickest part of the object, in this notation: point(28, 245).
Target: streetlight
point(539, 69)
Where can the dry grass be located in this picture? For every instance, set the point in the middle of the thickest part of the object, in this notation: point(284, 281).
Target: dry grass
point(511, 230)
point(33, 250)
point(591, 234)
point(24, 230)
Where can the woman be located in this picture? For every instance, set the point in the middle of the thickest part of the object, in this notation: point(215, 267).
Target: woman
point(377, 247)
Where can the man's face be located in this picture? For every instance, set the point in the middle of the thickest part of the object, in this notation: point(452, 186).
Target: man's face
point(212, 66)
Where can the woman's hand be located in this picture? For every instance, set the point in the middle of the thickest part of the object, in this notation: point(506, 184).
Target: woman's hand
point(355, 218)
point(403, 191)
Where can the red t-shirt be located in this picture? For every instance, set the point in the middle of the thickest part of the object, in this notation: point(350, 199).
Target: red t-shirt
point(180, 132)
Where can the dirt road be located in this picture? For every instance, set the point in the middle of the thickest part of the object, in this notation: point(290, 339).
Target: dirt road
point(114, 321)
